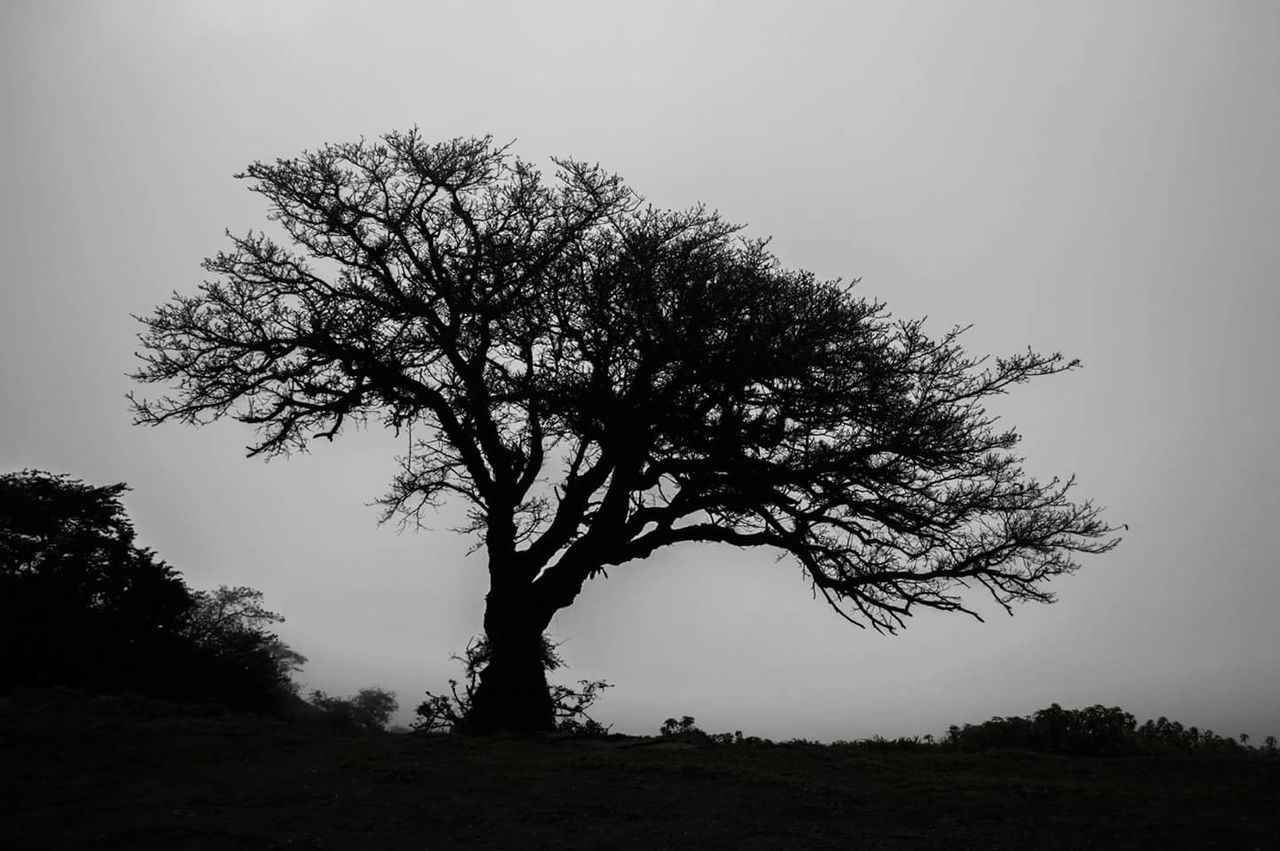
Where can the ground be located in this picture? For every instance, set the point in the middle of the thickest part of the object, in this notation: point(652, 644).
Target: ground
point(84, 772)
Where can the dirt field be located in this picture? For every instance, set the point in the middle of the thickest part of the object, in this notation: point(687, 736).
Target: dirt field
point(114, 773)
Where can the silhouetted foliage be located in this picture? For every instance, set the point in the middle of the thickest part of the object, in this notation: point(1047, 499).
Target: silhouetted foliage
point(232, 625)
point(599, 379)
point(447, 713)
point(1091, 731)
point(82, 606)
point(369, 710)
point(1163, 735)
point(1094, 730)
point(880, 743)
point(684, 727)
point(687, 730)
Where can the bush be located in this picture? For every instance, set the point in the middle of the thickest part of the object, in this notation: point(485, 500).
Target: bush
point(687, 730)
point(902, 743)
point(447, 713)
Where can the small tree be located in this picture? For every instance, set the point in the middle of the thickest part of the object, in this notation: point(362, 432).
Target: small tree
point(233, 622)
point(598, 380)
point(370, 710)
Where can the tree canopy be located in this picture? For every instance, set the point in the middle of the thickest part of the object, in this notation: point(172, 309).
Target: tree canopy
point(82, 605)
point(599, 378)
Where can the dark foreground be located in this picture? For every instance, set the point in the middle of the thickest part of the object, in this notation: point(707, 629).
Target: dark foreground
point(114, 773)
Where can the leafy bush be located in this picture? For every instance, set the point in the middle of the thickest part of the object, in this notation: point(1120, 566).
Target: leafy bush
point(445, 713)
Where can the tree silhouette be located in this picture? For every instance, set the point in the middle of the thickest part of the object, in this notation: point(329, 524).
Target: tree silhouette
point(242, 660)
point(599, 379)
point(82, 605)
point(369, 710)
point(232, 623)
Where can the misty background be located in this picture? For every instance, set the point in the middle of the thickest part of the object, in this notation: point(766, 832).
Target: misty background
point(1098, 178)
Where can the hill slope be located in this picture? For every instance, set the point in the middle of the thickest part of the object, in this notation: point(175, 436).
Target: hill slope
point(131, 773)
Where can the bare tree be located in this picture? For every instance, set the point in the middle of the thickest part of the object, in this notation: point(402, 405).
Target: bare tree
point(598, 379)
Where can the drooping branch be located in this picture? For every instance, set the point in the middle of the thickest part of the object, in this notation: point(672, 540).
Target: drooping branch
point(877, 469)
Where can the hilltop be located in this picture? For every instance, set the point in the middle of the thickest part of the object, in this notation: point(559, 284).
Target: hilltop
point(127, 772)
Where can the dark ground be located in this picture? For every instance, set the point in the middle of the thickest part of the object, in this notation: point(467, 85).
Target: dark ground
point(77, 772)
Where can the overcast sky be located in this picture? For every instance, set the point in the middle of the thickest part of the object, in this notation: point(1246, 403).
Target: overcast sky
point(1096, 178)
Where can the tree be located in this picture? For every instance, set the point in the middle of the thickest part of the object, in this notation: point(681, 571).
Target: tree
point(80, 603)
point(245, 662)
point(369, 711)
point(598, 379)
point(232, 622)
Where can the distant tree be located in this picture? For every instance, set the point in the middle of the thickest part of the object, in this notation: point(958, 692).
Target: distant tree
point(1093, 730)
point(597, 380)
point(369, 710)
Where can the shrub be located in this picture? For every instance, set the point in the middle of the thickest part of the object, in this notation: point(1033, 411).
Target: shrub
point(902, 743)
point(687, 730)
point(447, 713)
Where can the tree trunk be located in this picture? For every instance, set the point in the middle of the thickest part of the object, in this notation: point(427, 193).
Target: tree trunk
point(513, 693)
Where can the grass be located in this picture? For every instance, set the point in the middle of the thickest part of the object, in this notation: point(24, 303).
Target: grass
point(84, 772)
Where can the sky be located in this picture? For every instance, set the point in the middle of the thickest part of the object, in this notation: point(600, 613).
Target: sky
point(1096, 178)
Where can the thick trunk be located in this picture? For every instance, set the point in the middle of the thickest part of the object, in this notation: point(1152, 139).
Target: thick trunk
point(513, 693)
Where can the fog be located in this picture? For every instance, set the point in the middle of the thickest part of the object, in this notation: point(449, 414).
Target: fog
point(1096, 178)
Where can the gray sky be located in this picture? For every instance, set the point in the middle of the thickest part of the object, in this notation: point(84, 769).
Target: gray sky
point(1099, 178)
